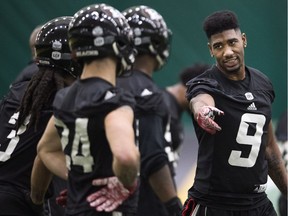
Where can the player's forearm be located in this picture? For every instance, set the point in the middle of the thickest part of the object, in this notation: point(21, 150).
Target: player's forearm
point(55, 162)
point(40, 180)
point(162, 184)
point(127, 169)
point(276, 167)
point(277, 172)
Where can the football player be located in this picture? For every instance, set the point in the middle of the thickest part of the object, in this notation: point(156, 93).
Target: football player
point(94, 119)
point(152, 41)
point(25, 113)
point(231, 106)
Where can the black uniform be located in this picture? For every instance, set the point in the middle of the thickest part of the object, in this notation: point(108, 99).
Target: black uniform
point(174, 131)
point(80, 111)
point(151, 117)
point(17, 152)
point(231, 168)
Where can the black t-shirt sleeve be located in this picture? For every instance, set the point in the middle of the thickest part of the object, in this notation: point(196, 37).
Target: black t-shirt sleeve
point(200, 85)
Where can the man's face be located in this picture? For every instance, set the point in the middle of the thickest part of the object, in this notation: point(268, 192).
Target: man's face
point(228, 49)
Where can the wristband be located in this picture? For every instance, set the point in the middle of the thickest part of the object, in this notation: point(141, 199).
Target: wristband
point(174, 206)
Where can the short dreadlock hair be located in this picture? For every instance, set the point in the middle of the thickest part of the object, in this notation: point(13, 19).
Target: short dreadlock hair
point(220, 21)
point(191, 72)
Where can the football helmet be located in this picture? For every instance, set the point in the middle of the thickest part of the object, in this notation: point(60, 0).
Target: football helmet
point(151, 35)
point(52, 48)
point(99, 30)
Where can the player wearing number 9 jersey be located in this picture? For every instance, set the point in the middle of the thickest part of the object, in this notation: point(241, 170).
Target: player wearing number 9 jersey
point(231, 105)
point(249, 110)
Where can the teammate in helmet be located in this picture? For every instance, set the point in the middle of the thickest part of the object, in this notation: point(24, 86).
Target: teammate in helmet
point(152, 40)
point(151, 34)
point(24, 115)
point(95, 119)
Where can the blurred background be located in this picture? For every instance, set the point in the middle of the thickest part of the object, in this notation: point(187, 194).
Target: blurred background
point(263, 21)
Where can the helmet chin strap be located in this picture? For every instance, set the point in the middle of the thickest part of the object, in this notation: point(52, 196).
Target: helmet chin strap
point(123, 61)
point(158, 57)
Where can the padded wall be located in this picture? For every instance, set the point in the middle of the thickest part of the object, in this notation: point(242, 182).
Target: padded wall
point(264, 21)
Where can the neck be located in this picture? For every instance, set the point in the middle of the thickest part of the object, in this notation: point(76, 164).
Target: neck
point(146, 64)
point(104, 68)
point(234, 75)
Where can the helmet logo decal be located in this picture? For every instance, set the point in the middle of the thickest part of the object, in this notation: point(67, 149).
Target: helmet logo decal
point(56, 45)
point(137, 32)
point(87, 53)
point(56, 55)
point(97, 31)
point(137, 41)
point(99, 41)
point(43, 62)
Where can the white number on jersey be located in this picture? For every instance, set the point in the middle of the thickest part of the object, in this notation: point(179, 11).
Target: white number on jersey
point(80, 153)
point(13, 136)
point(243, 138)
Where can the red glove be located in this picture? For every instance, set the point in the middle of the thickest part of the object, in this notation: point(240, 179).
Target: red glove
point(111, 196)
point(205, 119)
point(61, 199)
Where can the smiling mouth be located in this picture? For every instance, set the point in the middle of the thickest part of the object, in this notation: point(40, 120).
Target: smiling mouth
point(230, 62)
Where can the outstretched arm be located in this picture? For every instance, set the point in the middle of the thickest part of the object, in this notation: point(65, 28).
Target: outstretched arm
point(276, 167)
point(203, 108)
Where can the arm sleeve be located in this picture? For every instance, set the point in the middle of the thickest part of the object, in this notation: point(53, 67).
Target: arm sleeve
point(151, 144)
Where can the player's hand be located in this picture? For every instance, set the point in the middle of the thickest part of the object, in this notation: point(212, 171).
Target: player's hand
point(111, 195)
point(205, 119)
point(37, 209)
point(61, 199)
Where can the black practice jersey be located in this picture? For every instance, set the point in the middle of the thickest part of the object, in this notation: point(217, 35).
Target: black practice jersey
point(18, 149)
point(80, 111)
point(231, 164)
point(151, 118)
point(175, 113)
point(174, 131)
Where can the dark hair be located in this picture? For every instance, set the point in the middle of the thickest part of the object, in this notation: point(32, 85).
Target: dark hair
point(39, 94)
point(191, 72)
point(220, 21)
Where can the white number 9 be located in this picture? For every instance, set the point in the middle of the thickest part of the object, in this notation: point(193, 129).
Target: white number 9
point(243, 138)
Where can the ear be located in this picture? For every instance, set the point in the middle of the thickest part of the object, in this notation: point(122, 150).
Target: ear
point(210, 49)
point(244, 39)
